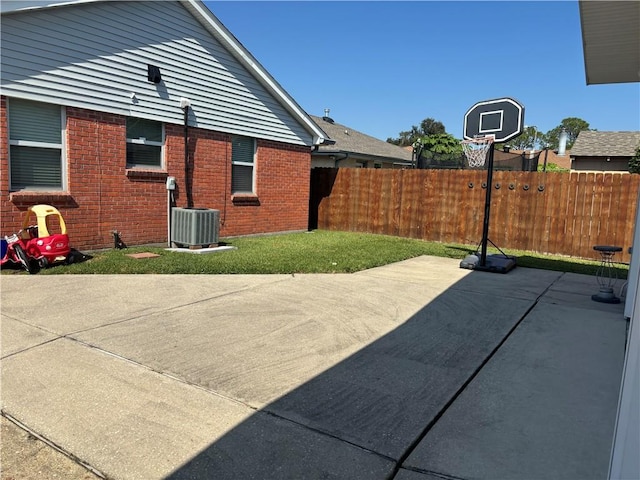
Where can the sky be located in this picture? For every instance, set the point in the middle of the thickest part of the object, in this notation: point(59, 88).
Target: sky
point(383, 66)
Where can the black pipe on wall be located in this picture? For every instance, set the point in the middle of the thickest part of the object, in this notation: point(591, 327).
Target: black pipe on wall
point(187, 166)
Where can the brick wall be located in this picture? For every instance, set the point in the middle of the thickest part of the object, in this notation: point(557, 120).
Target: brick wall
point(104, 196)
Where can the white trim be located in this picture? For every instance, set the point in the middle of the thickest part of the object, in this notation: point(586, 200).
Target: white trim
point(144, 141)
point(27, 143)
point(8, 6)
point(624, 462)
point(63, 150)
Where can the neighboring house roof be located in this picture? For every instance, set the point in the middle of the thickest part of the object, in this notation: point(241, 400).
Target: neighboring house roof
point(562, 161)
point(348, 140)
point(216, 29)
point(605, 144)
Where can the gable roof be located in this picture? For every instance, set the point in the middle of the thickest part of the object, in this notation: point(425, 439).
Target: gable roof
point(605, 144)
point(348, 140)
point(214, 27)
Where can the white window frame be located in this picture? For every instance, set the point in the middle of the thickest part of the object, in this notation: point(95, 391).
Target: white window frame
point(31, 144)
point(245, 164)
point(151, 143)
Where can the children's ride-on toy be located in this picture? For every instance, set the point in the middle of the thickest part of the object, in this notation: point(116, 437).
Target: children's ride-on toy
point(36, 241)
point(47, 241)
point(12, 251)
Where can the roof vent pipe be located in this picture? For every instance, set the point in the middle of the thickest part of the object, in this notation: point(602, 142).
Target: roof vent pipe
point(326, 117)
point(562, 147)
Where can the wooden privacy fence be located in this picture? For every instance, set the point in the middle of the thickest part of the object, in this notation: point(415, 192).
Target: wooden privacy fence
point(556, 213)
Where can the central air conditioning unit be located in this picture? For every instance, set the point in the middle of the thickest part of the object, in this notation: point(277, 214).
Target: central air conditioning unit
point(195, 227)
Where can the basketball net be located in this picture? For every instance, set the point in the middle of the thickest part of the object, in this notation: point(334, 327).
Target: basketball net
point(475, 149)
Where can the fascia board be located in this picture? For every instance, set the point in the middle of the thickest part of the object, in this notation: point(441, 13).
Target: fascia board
point(10, 6)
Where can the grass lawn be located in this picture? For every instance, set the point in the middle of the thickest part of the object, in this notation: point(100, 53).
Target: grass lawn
point(311, 252)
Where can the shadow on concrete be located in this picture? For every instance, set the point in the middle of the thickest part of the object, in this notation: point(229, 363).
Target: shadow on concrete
point(362, 418)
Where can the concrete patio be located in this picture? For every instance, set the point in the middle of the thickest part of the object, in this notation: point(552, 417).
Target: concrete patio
point(418, 370)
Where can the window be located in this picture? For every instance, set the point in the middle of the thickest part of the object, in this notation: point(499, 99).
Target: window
point(35, 145)
point(242, 161)
point(145, 139)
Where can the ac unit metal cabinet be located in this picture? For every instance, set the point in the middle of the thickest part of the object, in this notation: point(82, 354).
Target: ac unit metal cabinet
point(195, 226)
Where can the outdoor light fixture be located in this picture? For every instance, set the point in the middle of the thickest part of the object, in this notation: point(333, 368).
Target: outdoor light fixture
point(153, 74)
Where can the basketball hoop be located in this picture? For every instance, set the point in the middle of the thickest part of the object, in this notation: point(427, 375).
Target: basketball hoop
point(475, 149)
point(504, 118)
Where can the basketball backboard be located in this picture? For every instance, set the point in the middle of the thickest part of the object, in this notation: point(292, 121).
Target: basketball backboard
point(502, 117)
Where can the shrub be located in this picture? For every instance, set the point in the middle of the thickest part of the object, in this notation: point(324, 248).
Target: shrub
point(634, 163)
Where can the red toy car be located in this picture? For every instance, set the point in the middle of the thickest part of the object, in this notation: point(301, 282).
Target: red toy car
point(44, 241)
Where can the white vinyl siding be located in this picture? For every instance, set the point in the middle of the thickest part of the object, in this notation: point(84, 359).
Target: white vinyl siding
point(243, 152)
point(36, 149)
point(95, 56)
point(145, 141)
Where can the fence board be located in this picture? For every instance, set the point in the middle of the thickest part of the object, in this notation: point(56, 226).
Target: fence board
point(624, 219)
point(514, 212)
point(537, 213)
point(586, 202)
point(387, 192)
point(614, 221)
point(547, 211)
point(560, 197)
point(574, 212)
point(606, 210)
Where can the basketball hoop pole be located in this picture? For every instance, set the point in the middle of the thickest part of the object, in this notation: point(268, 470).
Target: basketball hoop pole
point(487, 209)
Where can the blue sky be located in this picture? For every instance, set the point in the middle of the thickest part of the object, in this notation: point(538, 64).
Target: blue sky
point(382, 67)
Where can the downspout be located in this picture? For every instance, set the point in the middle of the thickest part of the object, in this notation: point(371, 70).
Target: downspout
point(346, 155)
point(185, 103)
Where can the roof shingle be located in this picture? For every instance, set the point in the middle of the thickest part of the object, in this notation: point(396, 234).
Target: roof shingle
point(605, 144)
point(350, 140)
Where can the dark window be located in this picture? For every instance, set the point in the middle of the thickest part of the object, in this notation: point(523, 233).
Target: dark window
point(242, 163)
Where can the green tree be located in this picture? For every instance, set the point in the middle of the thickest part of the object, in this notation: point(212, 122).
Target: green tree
point(529, 139)
point(428, 126)
point(572, 125)
point(441, 147)
point(634, 163)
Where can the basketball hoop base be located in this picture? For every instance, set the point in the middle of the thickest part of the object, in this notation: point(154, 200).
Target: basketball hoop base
point(494, 263)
